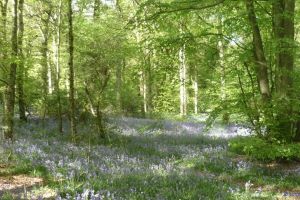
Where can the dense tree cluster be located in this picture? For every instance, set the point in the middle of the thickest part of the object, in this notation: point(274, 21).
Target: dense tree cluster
point(82, 59)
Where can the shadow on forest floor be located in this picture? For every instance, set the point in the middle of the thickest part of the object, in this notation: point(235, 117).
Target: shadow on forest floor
point(153, 160)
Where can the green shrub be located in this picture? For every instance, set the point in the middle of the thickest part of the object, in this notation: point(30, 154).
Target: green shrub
point(7, 196)
point(260, 149)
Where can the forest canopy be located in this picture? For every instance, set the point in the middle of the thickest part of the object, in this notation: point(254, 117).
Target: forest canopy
point(90, 58)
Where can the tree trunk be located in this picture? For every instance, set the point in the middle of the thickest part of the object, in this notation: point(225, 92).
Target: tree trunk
point(196, 91)
point(259, 55)
point(142, 93)
point(20, 79)
point(71, 71)
point(44, 29)
point(95, 109)
point(49, 76)
point(284, 33)
point(10, 88)
point(148, 81)
point(182, 79)
point(99, 122)
point(3, 6)
point(119, 69)
point(225, 117)
point(56, 46)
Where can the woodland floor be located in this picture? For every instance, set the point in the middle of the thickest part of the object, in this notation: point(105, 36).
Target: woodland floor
point(143, 159)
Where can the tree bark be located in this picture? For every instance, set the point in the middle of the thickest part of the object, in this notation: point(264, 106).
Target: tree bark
point(44, 29)
point(3, 6)
point(71, 71)
point(142, 92)
point(182, 80)
point(20, 79)
point(196, 91)
point(259, 55)
point(119, 69)
point(56, 41)
point(225, 117)
point(10, 88)
point(3, 55)
point(284, 33)
point(148, 81)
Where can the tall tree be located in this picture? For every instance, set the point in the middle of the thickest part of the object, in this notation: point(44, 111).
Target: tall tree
point(283, 126)
point(9, 103)
point(56, 58)
point(3, 51)
point(182, 81)
point(284, 35)
point(182, 74)
point(259, 54)
point(20, 78)
point(71, 70)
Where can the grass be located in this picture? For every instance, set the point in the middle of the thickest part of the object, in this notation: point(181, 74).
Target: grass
point(141, 164)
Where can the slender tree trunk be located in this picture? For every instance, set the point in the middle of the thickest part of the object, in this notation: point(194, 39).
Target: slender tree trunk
point(142, 78)
point(259, 55)
point(147, 81)
point(196, 91)
point(119, 69)
point(90, 99)
point(261, 67)
point(221, 48)
point(56, 45)
point(20, 79)
point(182, 79)
point(44, 29)
point(3, 6)
point(142, 93)
point(146, 84)
point(99, 122)
point(95, 109)
point(71, 71)
point(49, 75)
point(222, 63)
point(10, 89)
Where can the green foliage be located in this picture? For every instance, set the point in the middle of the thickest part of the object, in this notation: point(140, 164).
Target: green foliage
point(7, 196)
point(260, 149)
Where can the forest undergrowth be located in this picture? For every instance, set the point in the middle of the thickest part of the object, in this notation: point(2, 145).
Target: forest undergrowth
point(145, 159)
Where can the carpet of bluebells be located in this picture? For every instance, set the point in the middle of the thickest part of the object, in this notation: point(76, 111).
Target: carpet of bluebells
point(150, 160)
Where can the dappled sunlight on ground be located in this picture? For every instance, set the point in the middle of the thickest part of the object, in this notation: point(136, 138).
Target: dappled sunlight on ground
point(25, 187)
point(152, 160)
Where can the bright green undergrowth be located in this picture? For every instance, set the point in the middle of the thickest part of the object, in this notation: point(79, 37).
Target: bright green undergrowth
point(260, 149)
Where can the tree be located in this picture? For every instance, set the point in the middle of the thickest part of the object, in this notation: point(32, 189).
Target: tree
point(20, 75)
point(56, 49)
point(71, 71)
point(283, 125)
point(9, 103)
point(3, 42)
